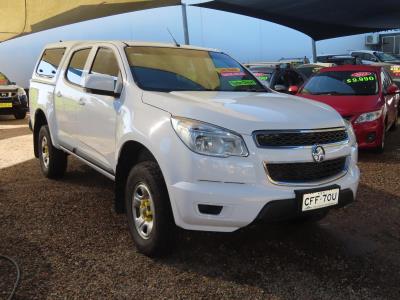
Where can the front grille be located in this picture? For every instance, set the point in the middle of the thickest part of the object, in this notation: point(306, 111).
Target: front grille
point(305, 172)
point(299, 138)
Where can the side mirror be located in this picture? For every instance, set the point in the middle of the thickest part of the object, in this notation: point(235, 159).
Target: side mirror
point(293, 89)
point(280, 88)
point(102, 84)
point(392, 89)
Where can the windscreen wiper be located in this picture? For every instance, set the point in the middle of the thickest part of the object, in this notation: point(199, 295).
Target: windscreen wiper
point(328, 93)
point(255, 90)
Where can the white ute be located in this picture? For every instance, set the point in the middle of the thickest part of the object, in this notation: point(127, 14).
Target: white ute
point(190, 137)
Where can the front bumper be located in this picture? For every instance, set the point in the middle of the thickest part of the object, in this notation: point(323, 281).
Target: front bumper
point(238, 188)
point(19, 104)
point(281, 210)
point(241, 203)
point(369, 134)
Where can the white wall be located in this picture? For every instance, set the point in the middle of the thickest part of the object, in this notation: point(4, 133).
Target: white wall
point(247, 39)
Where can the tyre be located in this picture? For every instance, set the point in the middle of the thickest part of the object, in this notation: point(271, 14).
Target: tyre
point(19, 115)
point(53, 161)
point(395, 123)
point(148, 209)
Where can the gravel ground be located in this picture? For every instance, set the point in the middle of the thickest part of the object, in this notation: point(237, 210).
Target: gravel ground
point(70, 244)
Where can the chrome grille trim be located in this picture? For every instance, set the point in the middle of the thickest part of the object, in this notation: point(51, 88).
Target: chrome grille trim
point(258, 133)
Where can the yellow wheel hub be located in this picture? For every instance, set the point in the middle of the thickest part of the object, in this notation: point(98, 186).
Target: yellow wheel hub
point(147, 213)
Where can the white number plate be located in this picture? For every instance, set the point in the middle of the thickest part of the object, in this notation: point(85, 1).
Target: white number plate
point(320, 199)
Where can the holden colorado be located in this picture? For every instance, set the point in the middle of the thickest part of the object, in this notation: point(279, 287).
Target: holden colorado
point(190, 137)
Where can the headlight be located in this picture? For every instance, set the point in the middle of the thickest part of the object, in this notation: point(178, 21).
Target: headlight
point(368, 117)
point(21, 92)
point(208, 139)
point(350, 133)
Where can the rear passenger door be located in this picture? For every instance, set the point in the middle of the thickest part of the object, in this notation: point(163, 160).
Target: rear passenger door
point(68, 97)
point(98, 120)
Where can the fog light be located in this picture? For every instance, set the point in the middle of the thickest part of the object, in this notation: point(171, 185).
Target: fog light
point(210, 209)
point(371, 137)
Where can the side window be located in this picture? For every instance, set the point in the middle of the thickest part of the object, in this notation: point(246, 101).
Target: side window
point(370, 57)
point(50, 62)
point(76, 66)
point(105, 63)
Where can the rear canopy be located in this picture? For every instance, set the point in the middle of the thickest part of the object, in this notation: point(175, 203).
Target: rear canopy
point(21, 17)
point(320, 19)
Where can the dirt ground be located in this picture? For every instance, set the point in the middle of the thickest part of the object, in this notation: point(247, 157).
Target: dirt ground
point(71, 245)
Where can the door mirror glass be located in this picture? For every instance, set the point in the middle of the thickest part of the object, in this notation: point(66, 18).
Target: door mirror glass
point(280, 88)
point(293, 89)
point(101, 84)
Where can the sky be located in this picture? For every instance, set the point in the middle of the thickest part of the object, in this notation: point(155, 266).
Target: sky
point(246, 39)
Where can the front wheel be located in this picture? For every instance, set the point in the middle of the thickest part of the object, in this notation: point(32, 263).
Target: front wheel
point(396, 120)
point(53, 161)
point(149, 213)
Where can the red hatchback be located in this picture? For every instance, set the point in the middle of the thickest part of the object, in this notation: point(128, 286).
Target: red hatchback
point(364, 95)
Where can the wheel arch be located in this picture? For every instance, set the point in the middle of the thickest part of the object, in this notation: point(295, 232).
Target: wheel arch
point(131, 153)
point(40, 119)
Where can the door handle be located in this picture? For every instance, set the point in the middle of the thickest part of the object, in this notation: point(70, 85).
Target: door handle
point(59, 94)
point(82, 101)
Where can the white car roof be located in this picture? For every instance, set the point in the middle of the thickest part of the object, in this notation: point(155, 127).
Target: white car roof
point(129, 43)
point(364, 51)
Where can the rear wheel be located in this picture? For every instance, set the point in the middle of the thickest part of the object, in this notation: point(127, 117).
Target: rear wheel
point(53, 161)
point(148, 210)
point(19, 115)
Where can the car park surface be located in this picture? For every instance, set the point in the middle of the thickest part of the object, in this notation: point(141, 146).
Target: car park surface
point(70, 244)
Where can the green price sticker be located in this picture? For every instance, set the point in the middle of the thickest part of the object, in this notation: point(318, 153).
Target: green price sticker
point(360, 79)
point(235, 83)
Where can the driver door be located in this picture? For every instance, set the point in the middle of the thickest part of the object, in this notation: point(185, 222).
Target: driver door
point(98, 120)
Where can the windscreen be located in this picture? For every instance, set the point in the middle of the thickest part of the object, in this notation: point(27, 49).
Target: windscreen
point(4, 80)
point(385, 56)
point(178, 69)
point(263, 74)
point(309, 70)
point(342, 83)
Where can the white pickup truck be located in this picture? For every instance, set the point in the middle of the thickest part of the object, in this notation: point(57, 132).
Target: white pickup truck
point(190, 137)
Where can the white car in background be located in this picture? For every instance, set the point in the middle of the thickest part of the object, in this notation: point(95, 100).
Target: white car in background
point(13, 100)
point(190, 137)
point(369, 57)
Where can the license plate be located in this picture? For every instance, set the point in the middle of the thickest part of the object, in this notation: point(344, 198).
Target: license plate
point(5, 105)
point(320, 199)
